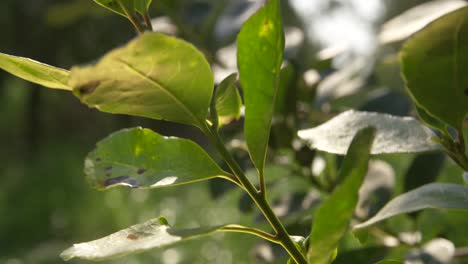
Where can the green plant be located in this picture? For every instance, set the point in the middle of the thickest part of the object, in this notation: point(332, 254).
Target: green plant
point(165, 78)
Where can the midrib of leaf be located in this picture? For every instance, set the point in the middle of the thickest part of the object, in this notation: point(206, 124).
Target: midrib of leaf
point(198, 122)
point(128, 165)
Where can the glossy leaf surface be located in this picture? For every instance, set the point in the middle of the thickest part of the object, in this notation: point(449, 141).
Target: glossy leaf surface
point(154, 76)
point(434, 195)
point(228, 101)
point(141, 158)
point(36, 72)
point(334, 215)
point(434, 63)
point(394, 134)
point(259, 56)
point(155, 233)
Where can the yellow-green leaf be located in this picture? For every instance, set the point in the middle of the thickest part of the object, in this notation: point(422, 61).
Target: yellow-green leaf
point(36, 72)
point(154, 76)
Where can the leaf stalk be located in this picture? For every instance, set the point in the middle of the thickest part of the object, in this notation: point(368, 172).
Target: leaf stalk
point(257, 196)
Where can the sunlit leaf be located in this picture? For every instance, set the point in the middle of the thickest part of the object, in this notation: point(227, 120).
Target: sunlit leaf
point(36, 72)
point(414, 19)
point(155, 233)
point(334, 215)
point(434, 195)
point(228, 101)
point(140, 158)
point(394, 134)
point(434, 63)
point(259, 57)
point(154, 76)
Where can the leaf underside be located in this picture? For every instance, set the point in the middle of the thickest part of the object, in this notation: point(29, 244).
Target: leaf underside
point(434, 195)
point(152, 234)
point(394, 134)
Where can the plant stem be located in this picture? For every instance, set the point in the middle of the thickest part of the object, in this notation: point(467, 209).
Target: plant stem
point(252, 231)
point(131, 18)
point(148, 23)
point(259, 198)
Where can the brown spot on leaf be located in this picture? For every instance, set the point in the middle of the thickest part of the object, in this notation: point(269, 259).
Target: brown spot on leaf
point(466, 92)
point(108, 168)
point(141, 171)
point(98, 159)
point(132, 237)
point(88, 88)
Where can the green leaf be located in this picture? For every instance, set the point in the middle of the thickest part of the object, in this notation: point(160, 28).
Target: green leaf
point(431, 121)
point(155, 233)
point(334, 215)
point(154, 76)
point(389, 261)
point(434, 195)
point(141, 158)
point(394, 134)
point(285, 101)
point(36, 72)
point(259, 56)
point(434, 62)
point(414, 19)
point(228, 101)
point(142, 6)
point(423, 170)
point(121, 7)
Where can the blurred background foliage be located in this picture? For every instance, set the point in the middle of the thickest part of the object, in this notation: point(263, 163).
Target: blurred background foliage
point(337, 59)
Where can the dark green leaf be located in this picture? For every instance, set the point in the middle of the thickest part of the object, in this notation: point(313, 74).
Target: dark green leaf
point(389, 261)
point(154, 76)
point(155, 233)
point(423, 170)
point(259, 57)
point(394, 134)
point(434, 62)
point(35, 72)
point(334, 215)
point(284, 100)
point(434, 195)
point(228, 101)
point(140, 158)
